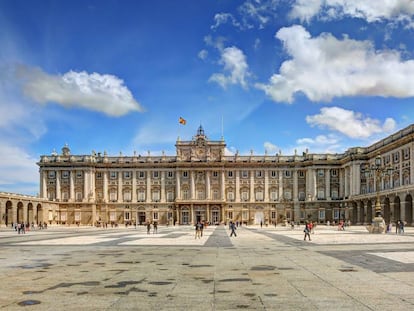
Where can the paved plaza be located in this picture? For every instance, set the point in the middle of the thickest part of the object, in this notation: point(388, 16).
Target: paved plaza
point(269, 268)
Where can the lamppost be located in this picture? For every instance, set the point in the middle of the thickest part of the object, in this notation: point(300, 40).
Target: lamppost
point(379, 170)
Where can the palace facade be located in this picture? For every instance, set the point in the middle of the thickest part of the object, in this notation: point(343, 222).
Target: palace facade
point(201, 182)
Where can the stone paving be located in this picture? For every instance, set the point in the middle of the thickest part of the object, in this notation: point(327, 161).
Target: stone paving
point(269, 268)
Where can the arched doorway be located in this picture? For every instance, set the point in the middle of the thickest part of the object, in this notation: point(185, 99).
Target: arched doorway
point(8, 217)
point(387, 211)
point(369, 212)
point(409, 209)
point(259, 217)
point(354, 216)
point(20, 215)
point(30, 213)
point(397, 209)
point(38, 217)
point(362, 212)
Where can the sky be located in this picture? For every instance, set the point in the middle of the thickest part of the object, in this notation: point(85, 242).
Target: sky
point(269, 76)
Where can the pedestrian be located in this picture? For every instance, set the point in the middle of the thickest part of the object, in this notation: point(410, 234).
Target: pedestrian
point(307, 232)
point(233, 229)
point(401, 227)
point(261, 224)
point(148, 227)
point(155, 225)
point(197, 230)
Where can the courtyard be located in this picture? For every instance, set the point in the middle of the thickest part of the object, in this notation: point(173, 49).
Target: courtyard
point(268, 268)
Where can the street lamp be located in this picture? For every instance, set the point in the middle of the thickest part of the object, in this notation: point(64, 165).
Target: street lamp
point(379, 170)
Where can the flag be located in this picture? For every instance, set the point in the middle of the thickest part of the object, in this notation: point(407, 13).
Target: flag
point(182, 121)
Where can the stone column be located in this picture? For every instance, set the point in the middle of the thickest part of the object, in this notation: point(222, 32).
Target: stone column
point(178, 184)
point(58, 191)
point(105, 186)
point(93, 214)
point(43, 184)
point(266, 186)
point(280, 194)
point(134, 187)
point(223, 181)
point(252, 198)
point(208, 189)
point(237, 186)
point(120, 198)
point(148, 194)
point(162, 186)
point(295, 186)
point(72, 186)
point(192, 185)
point(328, 184)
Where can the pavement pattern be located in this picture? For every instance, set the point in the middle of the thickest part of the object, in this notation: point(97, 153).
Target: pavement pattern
point(268, 268)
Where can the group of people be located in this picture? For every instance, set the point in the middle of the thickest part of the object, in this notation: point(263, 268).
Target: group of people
point(154, 225)
point(399, 227)
point(22, 227)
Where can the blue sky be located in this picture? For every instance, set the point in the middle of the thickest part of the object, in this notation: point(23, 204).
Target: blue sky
point(274, 76)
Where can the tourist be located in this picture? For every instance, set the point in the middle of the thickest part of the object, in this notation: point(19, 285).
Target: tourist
point(307, 232)
point(148, 228)
point(198, 230)
point(233, 229)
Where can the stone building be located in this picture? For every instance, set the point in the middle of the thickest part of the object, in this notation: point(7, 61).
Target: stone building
point(201, 182)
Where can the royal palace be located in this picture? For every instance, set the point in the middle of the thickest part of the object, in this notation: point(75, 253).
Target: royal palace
point(201, 183)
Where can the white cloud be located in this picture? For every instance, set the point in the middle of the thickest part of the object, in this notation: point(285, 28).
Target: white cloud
point(203, 54)
point(325, 67)
point(270, 148)
point(258, 12)
point(235, 65)
point(350, 123)
point(104, 93)
point(371, 11)
point(224, 18)
point(305, 10)
point(16, 166)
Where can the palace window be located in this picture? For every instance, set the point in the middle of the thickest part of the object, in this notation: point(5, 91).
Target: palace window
point(273, 174)
point(321, 173)
point(141, 196)
point(170, 174)
point(156, 196)
point(288, 174)
point(245, 174)
point(127, 175)
point(113, 175)
point(155, 216)
point(301, 174)
point(141, 174)
point(215, 174)
point(185, 195)
point(113, 195)
point(259, 195)
point(98, 175)
point(79, 174)
point(245, 195)
point(185, 174)
point(259, 174)
point(230, 196)
point(216, 195)
point(273, 195)
point(127, 196)
point(170, 196)
point(230, 174)
point(200, 195)
point(52, 174)
point(155, 174)
point(65, 174)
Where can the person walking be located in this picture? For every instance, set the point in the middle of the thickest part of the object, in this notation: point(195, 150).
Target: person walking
point(307, 232)
point(148, 227)
point(233, 229)
point(198, 230)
